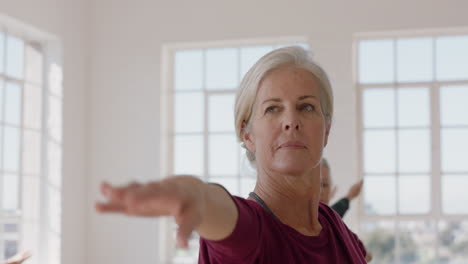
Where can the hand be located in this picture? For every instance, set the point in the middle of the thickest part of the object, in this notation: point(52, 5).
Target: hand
point(181, 197)
point(19, 258)
point(355, 190)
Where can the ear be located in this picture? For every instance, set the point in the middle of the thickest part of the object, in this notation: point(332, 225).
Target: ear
point(327, 133)
point(247, 137)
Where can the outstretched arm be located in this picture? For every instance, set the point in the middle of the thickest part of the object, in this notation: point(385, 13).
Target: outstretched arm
point(19, 258)
point(196, 206)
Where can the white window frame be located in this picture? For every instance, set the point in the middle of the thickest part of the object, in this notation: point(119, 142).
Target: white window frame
point(166, 239)
point(47, 248)
point(435, 214)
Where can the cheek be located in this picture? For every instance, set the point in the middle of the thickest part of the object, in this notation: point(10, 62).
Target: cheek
point(266, 135)
point(316, 134)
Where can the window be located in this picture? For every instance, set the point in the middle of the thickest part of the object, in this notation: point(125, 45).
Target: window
point(30, 144)
point(198, 104)
point(413, 125)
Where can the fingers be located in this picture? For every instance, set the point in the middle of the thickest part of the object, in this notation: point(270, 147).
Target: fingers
point(115, 197)
point(117, 194)
point(134, 199)
point(109, 208)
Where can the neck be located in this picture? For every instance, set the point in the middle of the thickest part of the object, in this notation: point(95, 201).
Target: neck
point(293, 199)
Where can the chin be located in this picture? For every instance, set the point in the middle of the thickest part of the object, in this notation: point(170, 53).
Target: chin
point(292, 167)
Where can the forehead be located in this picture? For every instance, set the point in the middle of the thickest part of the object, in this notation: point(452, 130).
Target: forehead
point(288, 82)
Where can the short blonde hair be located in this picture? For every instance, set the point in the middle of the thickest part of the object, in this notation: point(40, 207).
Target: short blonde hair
point(294, 56)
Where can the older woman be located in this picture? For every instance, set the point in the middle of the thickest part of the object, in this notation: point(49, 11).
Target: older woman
point(283, 115)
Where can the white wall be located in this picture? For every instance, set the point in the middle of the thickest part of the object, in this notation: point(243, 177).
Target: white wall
point(67, 20)
point(124, 95)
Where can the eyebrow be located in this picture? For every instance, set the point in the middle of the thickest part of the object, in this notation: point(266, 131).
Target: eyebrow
point(279, 100)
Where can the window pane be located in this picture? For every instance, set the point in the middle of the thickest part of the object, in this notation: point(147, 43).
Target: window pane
point(188, 155)
point(12, 103)
point(54, 118)
point(414, 150)
point(30, 239)
point(453, 242)
point(54, 164)
point(55, 80)
point(417, 242)
point(413, 107)
point(379, 195)
point(11, 153)
point(379, 108)
point(414, 194)
point(54, 209)
point(11, 248)
point(15, 57)
point(379, 239)
point(250, 55)
point(34, 64)
point(188, 110)
point(10, 192)
point(414, 58)
point(10, 228)
point(376, 61)
point(379, 151)
point(2, 93)
point(31, 152)
point(247, 186)
point(2, 51)
point(454, 149)
point(454, 194)
point(453, 105)
point(31, 198)
point(221, 113)
point(222, 70)
point(452, 58)
point(231, 184)
point(188, 70)
point(32, 106)
point(223, 155)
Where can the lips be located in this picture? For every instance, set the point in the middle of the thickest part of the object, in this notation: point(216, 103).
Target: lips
point(293, 145)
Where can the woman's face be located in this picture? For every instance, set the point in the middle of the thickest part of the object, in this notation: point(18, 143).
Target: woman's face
point(287, 130)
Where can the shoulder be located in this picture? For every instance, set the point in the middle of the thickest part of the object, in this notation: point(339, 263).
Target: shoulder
point(340, 229)
point(329, 213)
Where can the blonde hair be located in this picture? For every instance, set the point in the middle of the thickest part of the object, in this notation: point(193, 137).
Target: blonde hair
point(294, 56)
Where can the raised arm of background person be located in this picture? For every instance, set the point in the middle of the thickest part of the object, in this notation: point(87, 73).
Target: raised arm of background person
point(355, 190)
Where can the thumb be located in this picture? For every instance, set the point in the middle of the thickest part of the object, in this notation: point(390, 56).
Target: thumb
point(183, 234)
point(187, 222)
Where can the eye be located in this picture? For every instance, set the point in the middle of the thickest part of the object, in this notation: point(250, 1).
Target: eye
point(272, 109)
point(307, 107)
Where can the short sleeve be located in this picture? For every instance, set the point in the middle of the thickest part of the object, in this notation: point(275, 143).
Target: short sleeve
point(242, 243)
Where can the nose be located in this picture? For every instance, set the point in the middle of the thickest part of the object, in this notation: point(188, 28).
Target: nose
point(290, 126)
point(291, 122)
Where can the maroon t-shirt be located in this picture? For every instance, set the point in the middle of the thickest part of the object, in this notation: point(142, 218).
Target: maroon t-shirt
point(260, 238)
